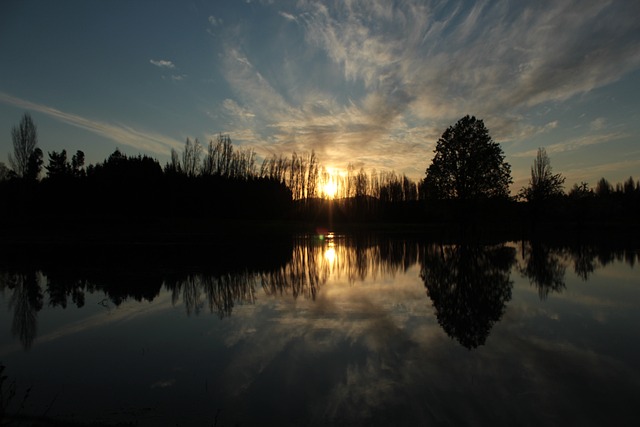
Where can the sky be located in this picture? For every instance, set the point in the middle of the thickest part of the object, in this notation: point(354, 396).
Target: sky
point(373, 83)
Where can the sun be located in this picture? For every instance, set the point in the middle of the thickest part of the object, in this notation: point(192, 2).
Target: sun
point(330, 189)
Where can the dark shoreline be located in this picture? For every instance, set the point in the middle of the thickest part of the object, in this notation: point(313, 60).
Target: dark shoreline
point(183, 232)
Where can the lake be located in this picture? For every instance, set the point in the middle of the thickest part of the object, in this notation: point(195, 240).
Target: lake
point(324, 329)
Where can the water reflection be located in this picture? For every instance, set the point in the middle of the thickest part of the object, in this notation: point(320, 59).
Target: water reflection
point(545, 263)
point(469, 285)
point(219, 292)
point(26, 301)
point(544, 266)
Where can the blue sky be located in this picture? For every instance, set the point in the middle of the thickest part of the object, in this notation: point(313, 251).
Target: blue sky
point(369, 82)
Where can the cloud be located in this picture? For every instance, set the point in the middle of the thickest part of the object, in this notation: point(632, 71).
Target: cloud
point(145, 141)
point(598, 124)
point(475, 57)
point(513, 128)
point(402, 73)
point(162, 63)
point(576, 143)
point(590, 173)
point(214, 21)
point(338, 133)
point(237, 110)
point(287, 16)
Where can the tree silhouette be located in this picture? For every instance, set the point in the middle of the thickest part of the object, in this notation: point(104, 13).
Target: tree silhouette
point(580, 191)
point(77, 164)
point(468, 164)
point(59, 166)
point(191, 157)
point(34, 165)
point(25, 140)
point(469, 286)
point(604, 188)
point(543, 184)
point(4, 172)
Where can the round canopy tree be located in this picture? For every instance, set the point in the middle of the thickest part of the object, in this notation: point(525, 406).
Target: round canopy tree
point(468, 164)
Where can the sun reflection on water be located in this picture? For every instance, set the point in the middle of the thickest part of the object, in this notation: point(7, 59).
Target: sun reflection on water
point(330, 254)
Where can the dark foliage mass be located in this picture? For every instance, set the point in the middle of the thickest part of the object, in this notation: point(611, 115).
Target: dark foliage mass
point(467, 182)
point(469, 286)
point(467, 164)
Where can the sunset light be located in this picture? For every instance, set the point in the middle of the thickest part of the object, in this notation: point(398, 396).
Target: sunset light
point(330, 254)
point(319, 212)
point(329, 189)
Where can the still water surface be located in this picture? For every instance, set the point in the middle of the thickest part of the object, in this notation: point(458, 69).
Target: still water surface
point(331, 330)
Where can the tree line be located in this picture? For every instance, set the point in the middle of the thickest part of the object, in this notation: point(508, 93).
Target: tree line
point(467, 178)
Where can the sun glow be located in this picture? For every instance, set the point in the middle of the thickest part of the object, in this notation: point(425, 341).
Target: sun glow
point(330, 255)
point(330, 189)
point(330, 179)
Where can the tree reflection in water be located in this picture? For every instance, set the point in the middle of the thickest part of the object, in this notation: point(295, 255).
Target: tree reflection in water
point(26, 301)
point(544, 267)
point(469, 286)
point(221, 291)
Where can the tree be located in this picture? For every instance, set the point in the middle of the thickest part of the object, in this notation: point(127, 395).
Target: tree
point(4, 172)
point(34, 165)
point(629, 186)
point(543, 184)
point(580, 191)
point(604, 188)
point(25, 140)
point(467, 164)
point(191, 157)
point(173, 167)
point(77, 164)
point(58, 165)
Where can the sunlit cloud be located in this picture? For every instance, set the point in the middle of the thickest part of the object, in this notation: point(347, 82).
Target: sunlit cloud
point(575, 144)
point(140, 140)
point(423, 67)
point(236, 110)
point(162, 63)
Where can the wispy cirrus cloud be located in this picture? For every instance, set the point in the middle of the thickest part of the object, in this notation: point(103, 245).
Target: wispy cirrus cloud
point(162, 63)
point(140, 140)
point(339, 133)
point(474, 57)
point(408, 70)
point(576, 143)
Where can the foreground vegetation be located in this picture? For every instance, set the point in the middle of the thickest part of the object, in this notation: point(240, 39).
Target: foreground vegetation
point(467, 182)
